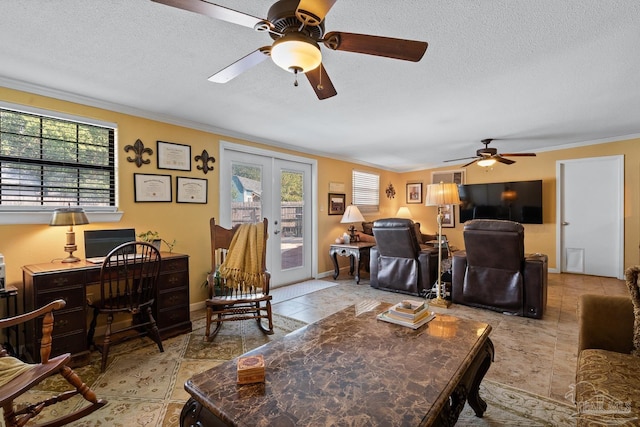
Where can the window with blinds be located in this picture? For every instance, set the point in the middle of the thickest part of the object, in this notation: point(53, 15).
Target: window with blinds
point(48, 162)
point(366, 191)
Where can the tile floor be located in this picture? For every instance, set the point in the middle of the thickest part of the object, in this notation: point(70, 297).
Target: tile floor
point(534, 355)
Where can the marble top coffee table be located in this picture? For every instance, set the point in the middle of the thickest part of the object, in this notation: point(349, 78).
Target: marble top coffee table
point(352, 369)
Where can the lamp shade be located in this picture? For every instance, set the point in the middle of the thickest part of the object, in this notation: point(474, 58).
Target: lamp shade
point(352, 214)
point(442, 194)
point(296, 52)
point(404, 212)
point(69, 216)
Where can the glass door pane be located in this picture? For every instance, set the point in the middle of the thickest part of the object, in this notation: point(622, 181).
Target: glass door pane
point(291, 219)
point(246, 193)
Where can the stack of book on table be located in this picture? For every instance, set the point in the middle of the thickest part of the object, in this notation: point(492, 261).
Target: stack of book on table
point(251, 369)
point(411, 313)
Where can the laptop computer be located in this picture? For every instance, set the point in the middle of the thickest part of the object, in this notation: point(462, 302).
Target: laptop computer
point(98, 243)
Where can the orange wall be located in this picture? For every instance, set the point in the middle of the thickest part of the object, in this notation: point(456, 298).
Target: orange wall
point(542, 237)
point(188, 224)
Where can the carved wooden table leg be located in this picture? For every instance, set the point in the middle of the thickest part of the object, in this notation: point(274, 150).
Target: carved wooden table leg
point(336, 267)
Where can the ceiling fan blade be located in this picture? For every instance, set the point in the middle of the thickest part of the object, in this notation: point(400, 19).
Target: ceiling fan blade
point(408, 50)
point(462, 158)
point(501, 159)
point(241, 65)
point(321, 83)
point(518, 154)
point(312, 12)
point(217, 11)
point(470, 163)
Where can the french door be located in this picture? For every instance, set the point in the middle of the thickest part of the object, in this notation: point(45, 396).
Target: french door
point(258, 184)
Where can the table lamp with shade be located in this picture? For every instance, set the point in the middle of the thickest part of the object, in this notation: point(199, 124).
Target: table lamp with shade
point(440, 195)
point(404, 212)
point(351, 215)
point(69, 217)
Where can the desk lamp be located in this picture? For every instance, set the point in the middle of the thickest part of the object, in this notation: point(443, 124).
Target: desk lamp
point(352, 214)
point(70, 217)
point(441, 195)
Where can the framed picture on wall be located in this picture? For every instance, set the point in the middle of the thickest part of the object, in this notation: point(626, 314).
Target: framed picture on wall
point(174, 156)
point(448, 216)
point(152, 188)
point(455, 176)
point(191, 190)
point(336, 203)
point(414, 192)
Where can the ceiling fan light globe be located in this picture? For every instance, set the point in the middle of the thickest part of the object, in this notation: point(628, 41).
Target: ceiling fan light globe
point(296, 52)
point(485, 163)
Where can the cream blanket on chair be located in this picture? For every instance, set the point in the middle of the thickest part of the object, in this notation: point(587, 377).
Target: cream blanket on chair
point(243, 264)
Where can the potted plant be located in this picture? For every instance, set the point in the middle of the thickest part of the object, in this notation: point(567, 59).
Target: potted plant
point(154, 238)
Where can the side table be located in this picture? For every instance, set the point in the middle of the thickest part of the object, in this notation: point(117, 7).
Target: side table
point(357, 253)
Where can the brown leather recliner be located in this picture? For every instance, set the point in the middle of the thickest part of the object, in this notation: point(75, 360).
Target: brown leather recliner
point(398, 263)
point(493, 271)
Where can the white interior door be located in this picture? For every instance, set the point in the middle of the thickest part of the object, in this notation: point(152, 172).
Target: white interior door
point(591, 216)
point(256, 185)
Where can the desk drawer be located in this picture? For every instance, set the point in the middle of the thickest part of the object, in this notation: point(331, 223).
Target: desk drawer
point(69, 343)
point(174, 298)
point(57, 281)
point(172, 317)
point(178, 279)
point(64, 323)
point(169, 265)
point(74, 297)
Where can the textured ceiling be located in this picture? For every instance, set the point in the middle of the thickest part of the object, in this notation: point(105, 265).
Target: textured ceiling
point(533, 74)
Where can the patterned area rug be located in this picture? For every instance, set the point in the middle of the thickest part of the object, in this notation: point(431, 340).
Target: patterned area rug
point(508, 406)
point(145, 387)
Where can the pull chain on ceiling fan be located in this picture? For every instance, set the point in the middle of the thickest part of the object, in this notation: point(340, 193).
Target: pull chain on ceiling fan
point(486, 156)
point(297, 28)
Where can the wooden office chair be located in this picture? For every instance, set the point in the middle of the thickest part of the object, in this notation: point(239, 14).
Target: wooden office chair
point(17, 377)
point(128, 282)
point(230, 299)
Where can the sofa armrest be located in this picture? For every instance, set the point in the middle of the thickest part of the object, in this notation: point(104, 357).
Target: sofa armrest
point(458, 270)
point(535, 285)
point(605, 322)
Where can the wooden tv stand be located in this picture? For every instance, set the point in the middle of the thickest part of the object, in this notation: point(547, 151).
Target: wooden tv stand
point(46, 282)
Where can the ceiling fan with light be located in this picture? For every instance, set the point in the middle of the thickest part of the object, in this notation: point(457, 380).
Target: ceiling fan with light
point(297, 28)
point(489, 156)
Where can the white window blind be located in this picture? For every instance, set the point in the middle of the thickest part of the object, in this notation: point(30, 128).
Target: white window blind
point(48, 162)
point(366, 191)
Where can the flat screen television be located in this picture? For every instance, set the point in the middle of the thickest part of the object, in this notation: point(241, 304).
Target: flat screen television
point(519, 201)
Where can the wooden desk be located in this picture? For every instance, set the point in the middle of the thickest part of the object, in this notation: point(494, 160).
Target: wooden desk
point(351, 369)
point(357, 252)
point(46, 282)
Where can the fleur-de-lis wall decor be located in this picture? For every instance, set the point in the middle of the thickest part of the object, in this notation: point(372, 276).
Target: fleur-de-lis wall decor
point(204, 157)
point(139, 150)
point(391, 192)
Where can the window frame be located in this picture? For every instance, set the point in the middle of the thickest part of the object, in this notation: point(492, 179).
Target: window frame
point(42, 214)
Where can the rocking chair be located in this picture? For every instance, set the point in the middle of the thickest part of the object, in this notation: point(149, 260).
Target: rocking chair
point(231, 300)
point(17, 377)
